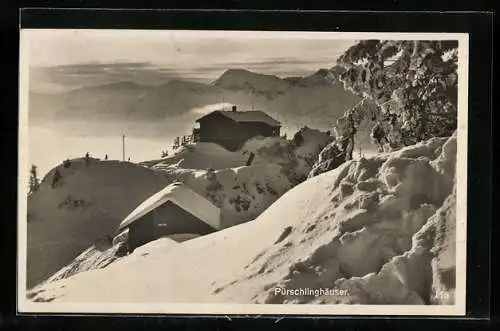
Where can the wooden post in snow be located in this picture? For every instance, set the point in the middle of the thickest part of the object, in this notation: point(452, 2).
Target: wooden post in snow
point(123, 148)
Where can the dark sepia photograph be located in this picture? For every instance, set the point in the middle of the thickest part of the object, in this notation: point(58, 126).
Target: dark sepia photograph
point(242, 172)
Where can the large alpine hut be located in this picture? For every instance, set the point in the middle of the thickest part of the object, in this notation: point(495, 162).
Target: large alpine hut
point(231, 129)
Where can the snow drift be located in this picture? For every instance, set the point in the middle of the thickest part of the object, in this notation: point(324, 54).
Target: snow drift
point(380, 228)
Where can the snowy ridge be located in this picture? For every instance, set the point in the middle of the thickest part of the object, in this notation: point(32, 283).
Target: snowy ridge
point(380, 228)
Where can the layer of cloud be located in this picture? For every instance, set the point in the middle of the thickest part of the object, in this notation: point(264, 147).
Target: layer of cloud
point(67, 77)
point(65, 59)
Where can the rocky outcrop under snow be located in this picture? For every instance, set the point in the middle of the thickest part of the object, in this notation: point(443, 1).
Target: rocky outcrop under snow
point(380, 229)
point(241, 193)
point(329, 158)
point(296, 156)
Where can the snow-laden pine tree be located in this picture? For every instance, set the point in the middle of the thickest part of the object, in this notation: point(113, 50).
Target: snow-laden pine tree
point(34, 182)
point(413, 80)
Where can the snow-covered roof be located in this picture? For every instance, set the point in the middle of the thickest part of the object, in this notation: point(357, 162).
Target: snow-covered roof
point(246, 116)
point(182, 196)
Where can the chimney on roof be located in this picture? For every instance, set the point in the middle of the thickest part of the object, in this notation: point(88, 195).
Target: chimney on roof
point(233, 108)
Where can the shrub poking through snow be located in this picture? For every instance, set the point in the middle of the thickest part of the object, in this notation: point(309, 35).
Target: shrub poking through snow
point(67, 163)
point(71, 203)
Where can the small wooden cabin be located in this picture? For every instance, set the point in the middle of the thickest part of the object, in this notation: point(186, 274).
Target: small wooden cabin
point(231, 129)
point(174, 210)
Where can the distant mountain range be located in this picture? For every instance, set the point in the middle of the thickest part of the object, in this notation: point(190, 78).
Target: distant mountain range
point(317, 99)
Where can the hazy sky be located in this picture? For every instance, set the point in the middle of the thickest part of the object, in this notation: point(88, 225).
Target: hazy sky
point(195, 54)
point(183, 48)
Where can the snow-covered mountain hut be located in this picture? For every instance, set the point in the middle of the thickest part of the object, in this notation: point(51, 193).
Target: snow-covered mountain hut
point(174, 210)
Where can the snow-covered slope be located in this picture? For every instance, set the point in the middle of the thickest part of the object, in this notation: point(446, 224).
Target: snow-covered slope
point(201, 155)
point(86, 204)
point(100, 257)
point(92, 258)
point(379, 228)
point(277, 150)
